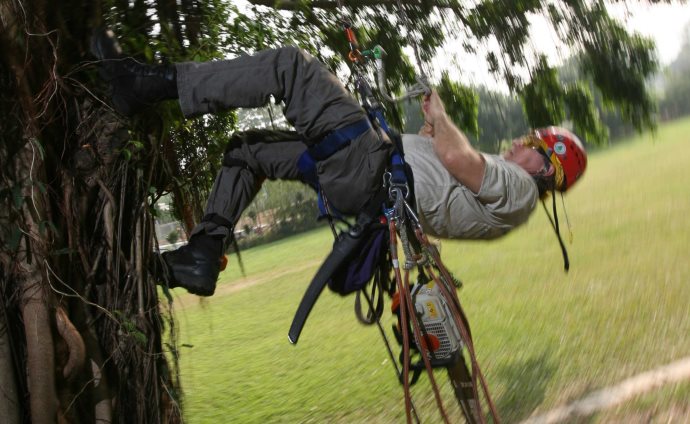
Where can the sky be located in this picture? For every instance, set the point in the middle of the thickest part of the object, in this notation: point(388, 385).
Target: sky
point(663, 23)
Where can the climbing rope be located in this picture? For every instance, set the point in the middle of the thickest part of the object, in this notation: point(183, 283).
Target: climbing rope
point(397, 216)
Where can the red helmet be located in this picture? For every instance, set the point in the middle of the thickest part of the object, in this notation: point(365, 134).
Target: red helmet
point(566, 153)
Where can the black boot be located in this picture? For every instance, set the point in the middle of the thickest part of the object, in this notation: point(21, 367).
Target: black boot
point(135, 85)
point(196, 265)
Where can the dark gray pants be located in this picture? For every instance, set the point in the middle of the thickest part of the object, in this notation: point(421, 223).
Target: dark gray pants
point(315, 104)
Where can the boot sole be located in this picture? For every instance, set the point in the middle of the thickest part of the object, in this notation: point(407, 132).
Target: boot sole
point(193, 283)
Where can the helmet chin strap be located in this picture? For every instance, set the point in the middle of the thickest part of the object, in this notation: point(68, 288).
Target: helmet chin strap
point(554, 224)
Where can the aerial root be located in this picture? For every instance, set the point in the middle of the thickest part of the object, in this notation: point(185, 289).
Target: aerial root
point(74, 341)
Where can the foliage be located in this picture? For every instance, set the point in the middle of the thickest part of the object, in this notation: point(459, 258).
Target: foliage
point(619, 63)
point(500, 117)
point(676, 100)
point(461, 104)
point(172, 237)
point(542, 97)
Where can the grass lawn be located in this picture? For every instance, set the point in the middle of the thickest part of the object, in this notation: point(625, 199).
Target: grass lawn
point(543, 337)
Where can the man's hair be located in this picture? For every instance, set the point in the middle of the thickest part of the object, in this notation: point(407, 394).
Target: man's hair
point(545, 184)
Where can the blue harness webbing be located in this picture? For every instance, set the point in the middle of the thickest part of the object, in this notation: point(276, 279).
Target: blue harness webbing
point(333, 142)
point(339, 139)
point(397, 170)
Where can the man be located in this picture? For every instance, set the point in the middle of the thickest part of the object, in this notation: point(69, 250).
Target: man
point(460, 193)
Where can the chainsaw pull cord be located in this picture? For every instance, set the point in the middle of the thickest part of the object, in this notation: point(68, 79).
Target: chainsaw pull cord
point(556, 228)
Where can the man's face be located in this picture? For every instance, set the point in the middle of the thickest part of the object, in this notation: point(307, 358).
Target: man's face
point(526, 157)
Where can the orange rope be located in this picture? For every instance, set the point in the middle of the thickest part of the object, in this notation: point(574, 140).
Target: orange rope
point(403, 319)
point(422, 350)
point(460, 322)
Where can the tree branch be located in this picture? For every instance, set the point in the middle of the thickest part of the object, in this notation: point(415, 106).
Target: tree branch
point(325, 4)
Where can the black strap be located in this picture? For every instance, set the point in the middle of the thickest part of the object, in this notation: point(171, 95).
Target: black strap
point(347, 243)
point(554, 224)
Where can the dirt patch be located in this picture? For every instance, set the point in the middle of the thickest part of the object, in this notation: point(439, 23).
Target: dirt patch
point(247, 282)
point(670, 414)
point(185, 299)
point(615, 395)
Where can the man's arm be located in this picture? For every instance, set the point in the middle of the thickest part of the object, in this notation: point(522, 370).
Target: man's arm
point(451, 146)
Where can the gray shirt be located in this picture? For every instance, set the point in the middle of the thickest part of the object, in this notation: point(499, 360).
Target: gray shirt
point(448, 209)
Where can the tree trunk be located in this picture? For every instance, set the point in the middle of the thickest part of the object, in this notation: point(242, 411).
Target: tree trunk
point(9, 397)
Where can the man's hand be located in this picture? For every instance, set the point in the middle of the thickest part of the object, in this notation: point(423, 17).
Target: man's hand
point(450, 144)
point(433, 109)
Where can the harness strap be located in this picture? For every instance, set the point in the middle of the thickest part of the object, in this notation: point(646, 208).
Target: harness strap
point(344, 247)
point(376, 114)
point(338, 139)
point(398, 174)
point(332, 143)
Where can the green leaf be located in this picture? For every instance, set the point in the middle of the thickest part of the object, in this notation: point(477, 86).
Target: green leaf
point(148, 53)
point(461, 104)
point(542, 98)
point(139, 337)
point(137, 144)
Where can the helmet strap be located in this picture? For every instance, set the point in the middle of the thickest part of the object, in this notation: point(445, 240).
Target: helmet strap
point(556, 228)
point(567, 221)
